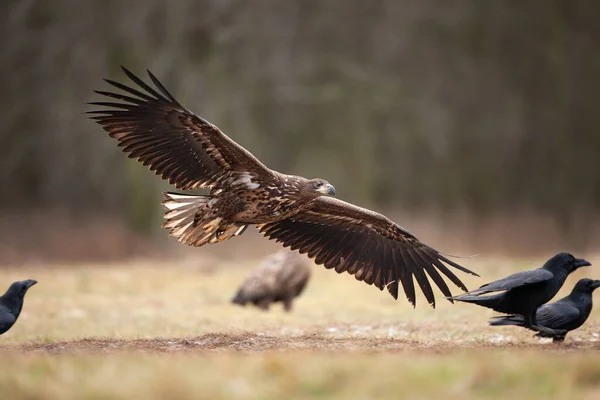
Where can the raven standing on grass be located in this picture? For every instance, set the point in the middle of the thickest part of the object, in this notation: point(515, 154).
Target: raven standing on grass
point(568, 313)
point(11, 303)
point(523, 292)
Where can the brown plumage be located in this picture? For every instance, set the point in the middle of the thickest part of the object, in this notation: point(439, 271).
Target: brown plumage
point(192, 153)
point(280, 277)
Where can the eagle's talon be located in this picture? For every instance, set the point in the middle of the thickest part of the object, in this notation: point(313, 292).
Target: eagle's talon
point(212, 225)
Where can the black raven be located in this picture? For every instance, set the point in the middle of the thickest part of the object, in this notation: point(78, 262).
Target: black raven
point(11, 303)
point(523, 292)
point(568, 313)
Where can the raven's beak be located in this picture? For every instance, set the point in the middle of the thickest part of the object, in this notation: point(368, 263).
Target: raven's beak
point(596, 284)
point(30, 282)
point(580, 262)
point(330, 190)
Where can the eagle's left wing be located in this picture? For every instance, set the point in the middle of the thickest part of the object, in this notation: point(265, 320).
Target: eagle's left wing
point(154, 128)
point(365, 244)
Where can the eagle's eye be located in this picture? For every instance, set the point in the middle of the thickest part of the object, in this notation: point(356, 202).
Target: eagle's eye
point(318, 184)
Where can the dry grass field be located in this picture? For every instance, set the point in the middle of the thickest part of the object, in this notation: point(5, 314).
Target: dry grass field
point(167, 331)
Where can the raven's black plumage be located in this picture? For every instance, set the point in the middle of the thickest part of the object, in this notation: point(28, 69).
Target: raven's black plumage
point(568, 313)
point(522, 293)
point(11, 303)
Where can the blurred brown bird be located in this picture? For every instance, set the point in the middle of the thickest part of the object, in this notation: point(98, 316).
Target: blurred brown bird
point(280, 277)
point(192, 153)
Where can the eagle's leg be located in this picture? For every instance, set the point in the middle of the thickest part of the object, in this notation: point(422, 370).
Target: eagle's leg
point(287, 303)
point(194, 220)
point(264, 304)
point(226, 231)
point(212, 225)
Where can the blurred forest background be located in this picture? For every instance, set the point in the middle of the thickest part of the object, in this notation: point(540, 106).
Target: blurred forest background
point(479, 115)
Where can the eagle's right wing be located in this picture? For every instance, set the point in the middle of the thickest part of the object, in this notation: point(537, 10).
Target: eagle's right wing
point(366, 244)
point(179, 146)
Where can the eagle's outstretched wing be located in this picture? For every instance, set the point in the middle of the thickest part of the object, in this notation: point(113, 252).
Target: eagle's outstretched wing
point(366, 244)
point(159, 132)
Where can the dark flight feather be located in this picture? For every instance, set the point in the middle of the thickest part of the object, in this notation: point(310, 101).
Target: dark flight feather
point(368, 238)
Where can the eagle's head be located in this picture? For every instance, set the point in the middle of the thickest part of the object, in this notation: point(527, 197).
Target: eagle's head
point(319, 187)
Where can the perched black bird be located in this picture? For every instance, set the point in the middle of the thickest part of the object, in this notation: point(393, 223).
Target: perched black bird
point(281, 276)
point(568, 313)
point(11, 303)
point(523, 292)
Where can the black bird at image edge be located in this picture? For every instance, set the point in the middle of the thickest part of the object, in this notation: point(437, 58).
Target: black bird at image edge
point(11, 303)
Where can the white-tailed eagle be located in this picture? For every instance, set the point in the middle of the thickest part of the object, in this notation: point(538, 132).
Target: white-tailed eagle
point(300, 213)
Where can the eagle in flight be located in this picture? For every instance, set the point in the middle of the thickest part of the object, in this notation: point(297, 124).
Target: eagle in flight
point(152, 127)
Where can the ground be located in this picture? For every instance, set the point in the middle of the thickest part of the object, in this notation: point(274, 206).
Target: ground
point(156, 330)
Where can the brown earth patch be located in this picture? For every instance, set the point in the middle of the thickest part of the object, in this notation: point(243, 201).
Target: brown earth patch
point(257, 342)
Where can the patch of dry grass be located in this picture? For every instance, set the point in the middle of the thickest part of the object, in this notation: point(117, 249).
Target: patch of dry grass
point(480, 373)
point(168, 331)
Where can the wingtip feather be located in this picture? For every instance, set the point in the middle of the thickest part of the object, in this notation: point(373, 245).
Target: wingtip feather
point(126, 71)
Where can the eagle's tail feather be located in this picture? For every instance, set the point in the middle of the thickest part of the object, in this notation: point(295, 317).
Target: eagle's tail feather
point(192, 221)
